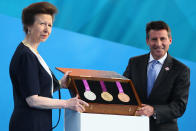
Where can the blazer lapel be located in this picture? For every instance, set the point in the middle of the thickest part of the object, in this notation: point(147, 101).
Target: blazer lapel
point(143, 78)
point(167, 65)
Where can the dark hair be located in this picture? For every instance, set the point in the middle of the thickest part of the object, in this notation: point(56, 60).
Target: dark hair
point(28, 13)
point(157, 25)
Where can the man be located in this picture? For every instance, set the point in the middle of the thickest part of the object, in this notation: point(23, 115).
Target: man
point(161, 81)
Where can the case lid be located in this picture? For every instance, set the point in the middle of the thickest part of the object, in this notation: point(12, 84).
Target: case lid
point(94, 74)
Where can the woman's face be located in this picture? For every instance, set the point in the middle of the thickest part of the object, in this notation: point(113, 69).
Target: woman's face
point(41, 29)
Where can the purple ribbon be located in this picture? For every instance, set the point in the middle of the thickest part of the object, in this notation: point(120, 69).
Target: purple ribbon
point(87, 88)
point(103, 86)
point(119, 87)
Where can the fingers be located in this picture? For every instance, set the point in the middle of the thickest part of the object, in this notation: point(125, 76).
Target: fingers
point(77, 96)
point(77, 104)
point(80, 106)
point(138, 113)
point(146, 110)
point(83, 103)
point(64, 80)
point(144, 105)
point(67, 73)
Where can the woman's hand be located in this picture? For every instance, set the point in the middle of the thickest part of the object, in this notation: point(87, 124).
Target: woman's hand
point(64, 79)
point(76, 104)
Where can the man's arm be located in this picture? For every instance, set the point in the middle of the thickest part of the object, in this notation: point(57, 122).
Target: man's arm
point(179, 98)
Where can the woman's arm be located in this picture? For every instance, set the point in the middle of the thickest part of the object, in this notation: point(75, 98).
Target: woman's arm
point(40, 102)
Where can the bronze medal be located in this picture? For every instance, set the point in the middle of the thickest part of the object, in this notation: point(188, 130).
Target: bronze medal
point(123, 97)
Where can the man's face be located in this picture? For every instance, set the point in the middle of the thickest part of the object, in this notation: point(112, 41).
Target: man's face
point(158, 42)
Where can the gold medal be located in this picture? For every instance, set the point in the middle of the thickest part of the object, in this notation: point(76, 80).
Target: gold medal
point(106, 96)
point(123, 97)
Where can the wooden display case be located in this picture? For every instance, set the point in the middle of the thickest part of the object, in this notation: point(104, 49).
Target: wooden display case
point(110, 79)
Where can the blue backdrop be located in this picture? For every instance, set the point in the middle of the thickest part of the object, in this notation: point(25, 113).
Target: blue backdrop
point(117, 32)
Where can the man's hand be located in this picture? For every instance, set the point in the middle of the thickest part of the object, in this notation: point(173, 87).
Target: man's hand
point(145, 110)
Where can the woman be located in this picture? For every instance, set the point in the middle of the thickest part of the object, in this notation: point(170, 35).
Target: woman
point(33, 82)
